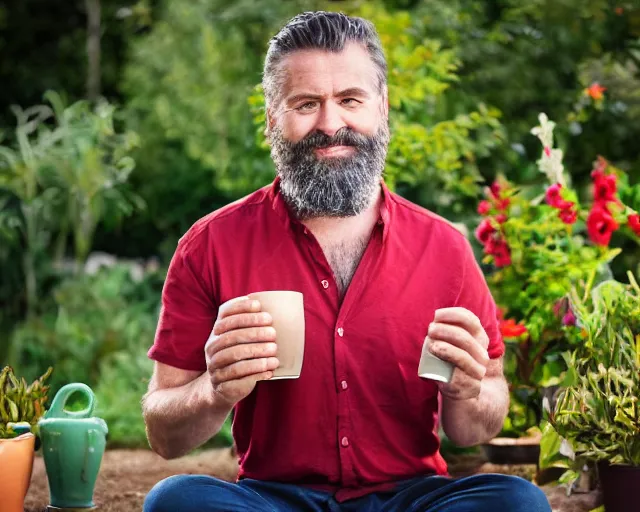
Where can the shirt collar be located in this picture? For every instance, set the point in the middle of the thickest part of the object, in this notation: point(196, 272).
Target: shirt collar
point(279, 206)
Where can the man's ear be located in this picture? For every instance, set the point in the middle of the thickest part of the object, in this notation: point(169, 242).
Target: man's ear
point(385, 102)
point(270, 123)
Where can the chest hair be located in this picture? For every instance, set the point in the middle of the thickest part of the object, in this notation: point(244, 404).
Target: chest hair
point(344, 258)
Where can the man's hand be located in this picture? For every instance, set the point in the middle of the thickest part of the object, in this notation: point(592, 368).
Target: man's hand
point(241, 349)
point(457, 336)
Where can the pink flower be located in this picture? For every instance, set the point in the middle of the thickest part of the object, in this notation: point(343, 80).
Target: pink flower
point(569, 216)
point(569, 319)
point(501, 218)
point(484, 207)
point(495, 189)
point(499, 249)
point(553, 196)
point(503, 204)
point(484, 231)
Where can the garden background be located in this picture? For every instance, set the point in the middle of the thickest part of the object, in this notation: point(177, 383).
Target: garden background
point(122, 123)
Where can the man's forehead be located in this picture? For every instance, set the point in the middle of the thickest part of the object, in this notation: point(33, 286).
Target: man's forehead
point(324, 72)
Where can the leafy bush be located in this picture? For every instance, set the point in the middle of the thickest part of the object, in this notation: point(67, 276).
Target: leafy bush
point(541, 243)
point(597, 412)
point(89, 320)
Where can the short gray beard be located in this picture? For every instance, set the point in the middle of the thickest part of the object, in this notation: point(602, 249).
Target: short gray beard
point(333, 187)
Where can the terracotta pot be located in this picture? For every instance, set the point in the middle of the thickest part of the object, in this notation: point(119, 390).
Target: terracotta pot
point(619, 485)
point(505, 450)
point(16, 461)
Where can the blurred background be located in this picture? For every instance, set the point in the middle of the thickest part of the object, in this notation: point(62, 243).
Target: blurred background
point(122, 123)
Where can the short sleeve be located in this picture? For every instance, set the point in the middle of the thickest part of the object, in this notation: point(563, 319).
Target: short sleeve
point(187, 312)
point(475, 296)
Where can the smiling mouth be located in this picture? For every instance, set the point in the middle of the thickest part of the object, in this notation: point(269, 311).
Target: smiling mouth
point(332, 151)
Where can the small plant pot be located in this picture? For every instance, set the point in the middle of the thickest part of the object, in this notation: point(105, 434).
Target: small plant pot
point(16, 461)
point(506, 450)
point(619, 486)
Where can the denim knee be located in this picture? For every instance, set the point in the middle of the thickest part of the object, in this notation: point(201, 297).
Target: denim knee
point(520, 495)
point(167, 495)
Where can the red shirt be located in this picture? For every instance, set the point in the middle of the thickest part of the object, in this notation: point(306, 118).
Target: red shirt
point(359, 417)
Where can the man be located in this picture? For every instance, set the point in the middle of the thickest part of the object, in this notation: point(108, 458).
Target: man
point(358, 429)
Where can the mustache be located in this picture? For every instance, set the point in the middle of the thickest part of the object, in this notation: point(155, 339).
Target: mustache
point(343, 137)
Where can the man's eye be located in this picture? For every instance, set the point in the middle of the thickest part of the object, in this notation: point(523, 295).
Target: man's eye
point(350, 102)
point(310, 105)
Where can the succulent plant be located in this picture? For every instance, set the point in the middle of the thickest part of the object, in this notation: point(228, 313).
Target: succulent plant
point(21, 404)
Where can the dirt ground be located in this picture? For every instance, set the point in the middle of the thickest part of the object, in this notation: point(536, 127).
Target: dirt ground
point(127, 475)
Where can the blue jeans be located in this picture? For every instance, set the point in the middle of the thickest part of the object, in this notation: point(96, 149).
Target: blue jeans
point(479, 493)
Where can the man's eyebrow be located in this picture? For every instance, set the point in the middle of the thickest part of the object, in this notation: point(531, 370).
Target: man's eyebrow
point(303, 96)
point(354, 91)
point(351, 91)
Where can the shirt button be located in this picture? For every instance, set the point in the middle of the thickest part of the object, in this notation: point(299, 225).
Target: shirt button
point(344, 442)
point(325, 284)
point(340, 331)
point(344, 385)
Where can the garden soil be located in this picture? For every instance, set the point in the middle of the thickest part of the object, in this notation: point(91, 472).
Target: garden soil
point(127, 475)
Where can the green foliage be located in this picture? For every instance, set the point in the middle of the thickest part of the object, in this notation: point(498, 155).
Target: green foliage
point(67, 172)
point(90, 319)
point(21, 404)
point(597, 413)
point(123, 381)
point(187, 83)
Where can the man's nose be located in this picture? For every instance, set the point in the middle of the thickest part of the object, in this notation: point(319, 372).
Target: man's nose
point(330, 120)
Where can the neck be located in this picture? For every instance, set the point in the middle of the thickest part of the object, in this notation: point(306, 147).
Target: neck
point(329, 229)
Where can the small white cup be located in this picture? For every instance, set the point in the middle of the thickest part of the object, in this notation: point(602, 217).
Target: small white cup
point(432, 367)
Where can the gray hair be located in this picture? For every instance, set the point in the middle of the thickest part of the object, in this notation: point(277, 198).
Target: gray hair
point(320, 30)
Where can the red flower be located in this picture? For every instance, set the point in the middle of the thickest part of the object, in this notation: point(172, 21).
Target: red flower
point(568, 216)
point(484, 231)
point(500, 251)
point(495, 189)
point(510, 329)
point(595, 91)
point(634, 223)
point(501, 218)
point(600, 225)
point(484, 207)
point(554, 198)
point(605, 187)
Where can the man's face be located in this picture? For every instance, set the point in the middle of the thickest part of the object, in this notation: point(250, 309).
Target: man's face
point(329, 132)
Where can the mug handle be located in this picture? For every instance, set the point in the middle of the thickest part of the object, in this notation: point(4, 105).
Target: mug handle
point(57, 409)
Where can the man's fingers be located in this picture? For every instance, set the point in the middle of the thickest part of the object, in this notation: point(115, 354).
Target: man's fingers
point(237, 389)
point(238, 305)
point(243, 369)
point(241, 321)
point(458, 357)
point(460, 338)
point(242, 352)
point(239, 336)
point(465, 319)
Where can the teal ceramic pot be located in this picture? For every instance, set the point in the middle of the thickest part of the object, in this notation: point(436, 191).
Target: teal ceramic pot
point(73, 444)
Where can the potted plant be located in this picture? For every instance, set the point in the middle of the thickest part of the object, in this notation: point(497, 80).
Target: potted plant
point(597, 414)
point(539, 242)
point(21, 406)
